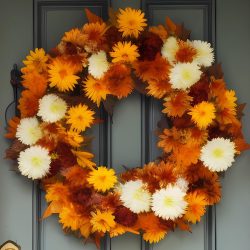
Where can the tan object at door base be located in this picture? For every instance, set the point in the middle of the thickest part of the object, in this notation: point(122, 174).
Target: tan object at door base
point(9, 245)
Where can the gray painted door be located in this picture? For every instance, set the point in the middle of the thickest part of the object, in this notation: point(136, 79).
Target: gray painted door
point(21, 203)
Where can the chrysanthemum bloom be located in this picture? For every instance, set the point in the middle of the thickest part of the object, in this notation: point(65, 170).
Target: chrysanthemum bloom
point(186, 52)
point(33, 76)
point(98, 64)
point(95, 38)
point(204, 53)
point(102, 221)
point(75, 36)
point(52, 108)
point(131, 22)
point(34, 162)
point(184, 75)
point(36, 60)
point(170, 48)
point(80, 117)
point(158, 89)
point(196, 207)
point(62, 75)
point(124, 52)
point(177, 103)
point(203, 114)
point(102, 178)
point(118, 80)
point(169, 202)
point(95, 89)
point(218, 154)
point(135, 196)
point(29, 131)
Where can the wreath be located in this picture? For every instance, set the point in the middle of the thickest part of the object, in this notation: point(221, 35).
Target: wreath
point(96, 65)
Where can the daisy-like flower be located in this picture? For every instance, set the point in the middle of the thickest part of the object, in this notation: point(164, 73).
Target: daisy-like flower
point(203, 114)
point(169, 49)
point(102, 179)
point(135, 196)
point(98, 64)
point(169, 202)
point(102, 221)
point(184, 75)
point(52, 108)
point(204, 53)
point(34, 162)
point(124, 52)
point(218, 154)
point(62, 75)
point(80, 117)
point(95, 89)
point(36, 60)
point(131, 22)
point(29, 131)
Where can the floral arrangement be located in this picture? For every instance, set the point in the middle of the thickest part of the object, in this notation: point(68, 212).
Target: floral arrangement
point(104, 61)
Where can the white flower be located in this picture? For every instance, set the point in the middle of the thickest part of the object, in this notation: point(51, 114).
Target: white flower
point(170, 48)
point(184, 75)
point(205, 55)
point(98, 64)
point(168, 203)
point(34, 162)
point(135, 197)
point(52, 108)
point(182, 184)
point(218, 154)
point(29, 131)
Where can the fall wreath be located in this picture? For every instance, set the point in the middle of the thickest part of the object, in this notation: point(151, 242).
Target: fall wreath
point(104, 60)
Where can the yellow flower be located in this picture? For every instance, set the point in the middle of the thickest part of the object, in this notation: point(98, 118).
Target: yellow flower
point(102, 221)
point(84, 158)
point(124, 52)
point(95, 89)
point(80, 117)
point(36, 60)
point(154, 236)
point(73, 138)
point(102, 179)
point(203, 114)
point(62, 75)
point(74, 36)
point(131, 22)
point(70, 218)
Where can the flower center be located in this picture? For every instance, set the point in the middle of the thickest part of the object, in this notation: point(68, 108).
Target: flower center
point(36, 161)
point(186, 75)
point(55, 108)
point(217, 153)
point(168, 202)
point(62, 73)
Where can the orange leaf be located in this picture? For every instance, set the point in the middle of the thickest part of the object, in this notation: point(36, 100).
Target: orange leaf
point(13, 123)
point(54, 207)
point(170, 25)
point(92, 18)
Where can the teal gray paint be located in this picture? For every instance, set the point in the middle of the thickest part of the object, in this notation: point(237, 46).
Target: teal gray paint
point(16, 194)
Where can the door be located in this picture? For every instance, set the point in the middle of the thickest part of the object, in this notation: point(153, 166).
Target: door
point(43, 22)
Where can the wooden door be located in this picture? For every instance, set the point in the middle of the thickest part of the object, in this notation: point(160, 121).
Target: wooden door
point(129, 138)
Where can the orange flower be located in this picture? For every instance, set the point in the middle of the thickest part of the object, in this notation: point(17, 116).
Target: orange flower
point(57, 192)
point(177, 104)
point(75, 36)
point(159, 30)
point(12, 127)
point(76, 176)
point(119, 81)
point(34, 81)
point(155, 70)
point(196, 207)
point(158, 89)
point(185, 52)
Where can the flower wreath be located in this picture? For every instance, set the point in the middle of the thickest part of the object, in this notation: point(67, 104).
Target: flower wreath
point(108, 60)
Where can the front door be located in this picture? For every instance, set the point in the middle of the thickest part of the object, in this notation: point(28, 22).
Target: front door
point(129, 142)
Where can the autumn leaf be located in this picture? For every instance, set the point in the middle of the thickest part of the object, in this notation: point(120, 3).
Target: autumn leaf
point(12, 127)
point(216, 71)
point(13, 151)
point(92, 18)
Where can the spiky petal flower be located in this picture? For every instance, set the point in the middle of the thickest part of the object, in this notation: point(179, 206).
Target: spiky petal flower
point(52, 108)
point(102, 221)
point(169, 49)
point(135, 196)
point(34, 162)
point(98, 64)
point(131, 22)
point(204, 53)
point(102, 178)
point(184, 75)
point(29, 131)
point(169, 202)
point(218, 154)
